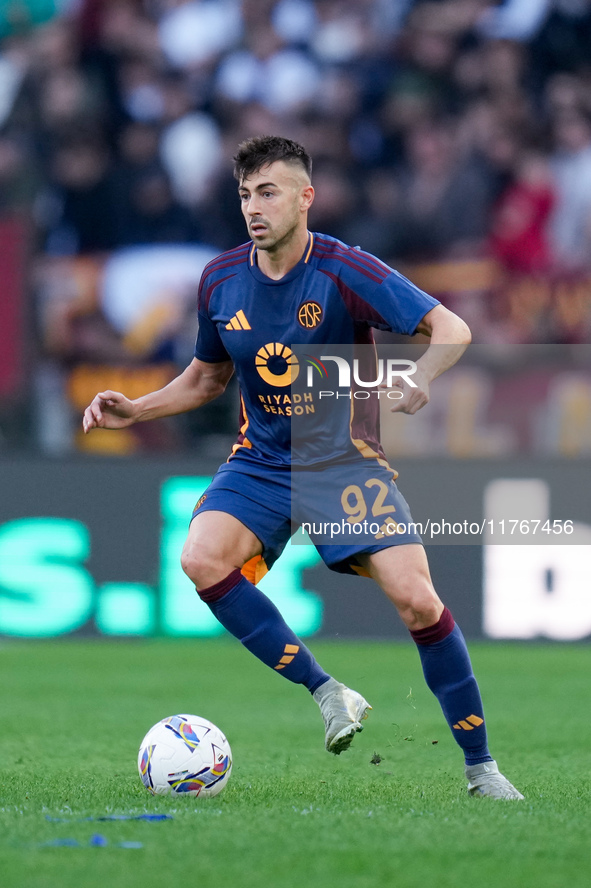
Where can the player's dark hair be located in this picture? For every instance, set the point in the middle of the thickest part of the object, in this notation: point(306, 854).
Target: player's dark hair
point(260, 151)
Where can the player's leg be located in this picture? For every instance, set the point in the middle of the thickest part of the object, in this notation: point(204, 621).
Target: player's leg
point(217, 544)
point(217, 547)
point(403, 574)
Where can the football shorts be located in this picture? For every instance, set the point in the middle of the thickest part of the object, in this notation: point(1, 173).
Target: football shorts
point(345, 509)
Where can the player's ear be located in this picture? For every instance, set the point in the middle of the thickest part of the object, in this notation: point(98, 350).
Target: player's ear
point(306, 198)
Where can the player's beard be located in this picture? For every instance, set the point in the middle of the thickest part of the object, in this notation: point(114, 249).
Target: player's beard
point(272, 240)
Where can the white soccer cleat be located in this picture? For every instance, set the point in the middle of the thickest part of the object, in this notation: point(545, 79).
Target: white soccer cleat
point(485, 780)
point(343, 710)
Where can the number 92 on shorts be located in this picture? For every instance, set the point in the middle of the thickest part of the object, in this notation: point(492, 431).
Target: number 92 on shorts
point(349, 508)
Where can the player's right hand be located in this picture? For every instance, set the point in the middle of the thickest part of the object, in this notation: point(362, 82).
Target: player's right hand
point(108, 410)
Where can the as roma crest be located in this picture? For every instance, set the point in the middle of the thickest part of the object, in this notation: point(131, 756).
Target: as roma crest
point(309, 314)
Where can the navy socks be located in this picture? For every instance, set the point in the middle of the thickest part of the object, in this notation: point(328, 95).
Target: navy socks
point(448, 673)
point(252, 618)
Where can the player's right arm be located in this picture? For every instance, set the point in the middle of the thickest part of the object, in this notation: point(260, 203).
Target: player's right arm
point(199, 383)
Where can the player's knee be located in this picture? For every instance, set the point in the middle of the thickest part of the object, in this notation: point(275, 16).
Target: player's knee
point(417, 602)
point(202, 566)
point(191, 563)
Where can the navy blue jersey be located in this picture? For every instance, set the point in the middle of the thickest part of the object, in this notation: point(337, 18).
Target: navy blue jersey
point(335, 294)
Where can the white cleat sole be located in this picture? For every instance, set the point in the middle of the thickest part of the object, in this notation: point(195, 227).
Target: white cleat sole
point(342, 741)
point(343, 710)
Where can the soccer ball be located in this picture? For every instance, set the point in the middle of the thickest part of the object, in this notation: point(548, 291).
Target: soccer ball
point(185, 754)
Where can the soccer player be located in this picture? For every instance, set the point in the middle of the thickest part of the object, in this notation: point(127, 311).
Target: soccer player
point(290, 286)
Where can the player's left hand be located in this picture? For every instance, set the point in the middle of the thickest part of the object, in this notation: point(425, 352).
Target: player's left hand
point(412, 397)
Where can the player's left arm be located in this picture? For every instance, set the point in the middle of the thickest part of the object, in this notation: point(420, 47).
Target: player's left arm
point(450, 337)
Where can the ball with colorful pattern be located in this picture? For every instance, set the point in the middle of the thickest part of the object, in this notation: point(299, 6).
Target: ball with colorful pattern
point(186, 755)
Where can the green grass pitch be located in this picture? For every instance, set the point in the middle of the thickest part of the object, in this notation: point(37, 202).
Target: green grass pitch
point(73, 713)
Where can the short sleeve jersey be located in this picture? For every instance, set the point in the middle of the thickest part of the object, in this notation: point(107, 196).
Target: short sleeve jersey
point(335, 294)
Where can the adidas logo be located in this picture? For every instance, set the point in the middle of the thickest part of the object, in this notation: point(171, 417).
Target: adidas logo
point(238, 322)
point(289, 653)
point(472, 721)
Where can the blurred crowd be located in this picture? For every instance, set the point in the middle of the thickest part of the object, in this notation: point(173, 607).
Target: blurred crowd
point(442, 131)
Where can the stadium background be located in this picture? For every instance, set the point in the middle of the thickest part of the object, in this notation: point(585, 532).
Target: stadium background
point(451, 138)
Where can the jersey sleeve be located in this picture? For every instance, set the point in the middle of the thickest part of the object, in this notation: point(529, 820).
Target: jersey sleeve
point(208, 346)
point(402, 304)
point(381, 296)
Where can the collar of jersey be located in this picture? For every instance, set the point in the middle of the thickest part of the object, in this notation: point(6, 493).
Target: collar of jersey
point(287, 278)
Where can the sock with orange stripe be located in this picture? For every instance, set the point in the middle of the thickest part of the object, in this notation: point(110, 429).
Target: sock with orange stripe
point(252, 618)
point(448, 673)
